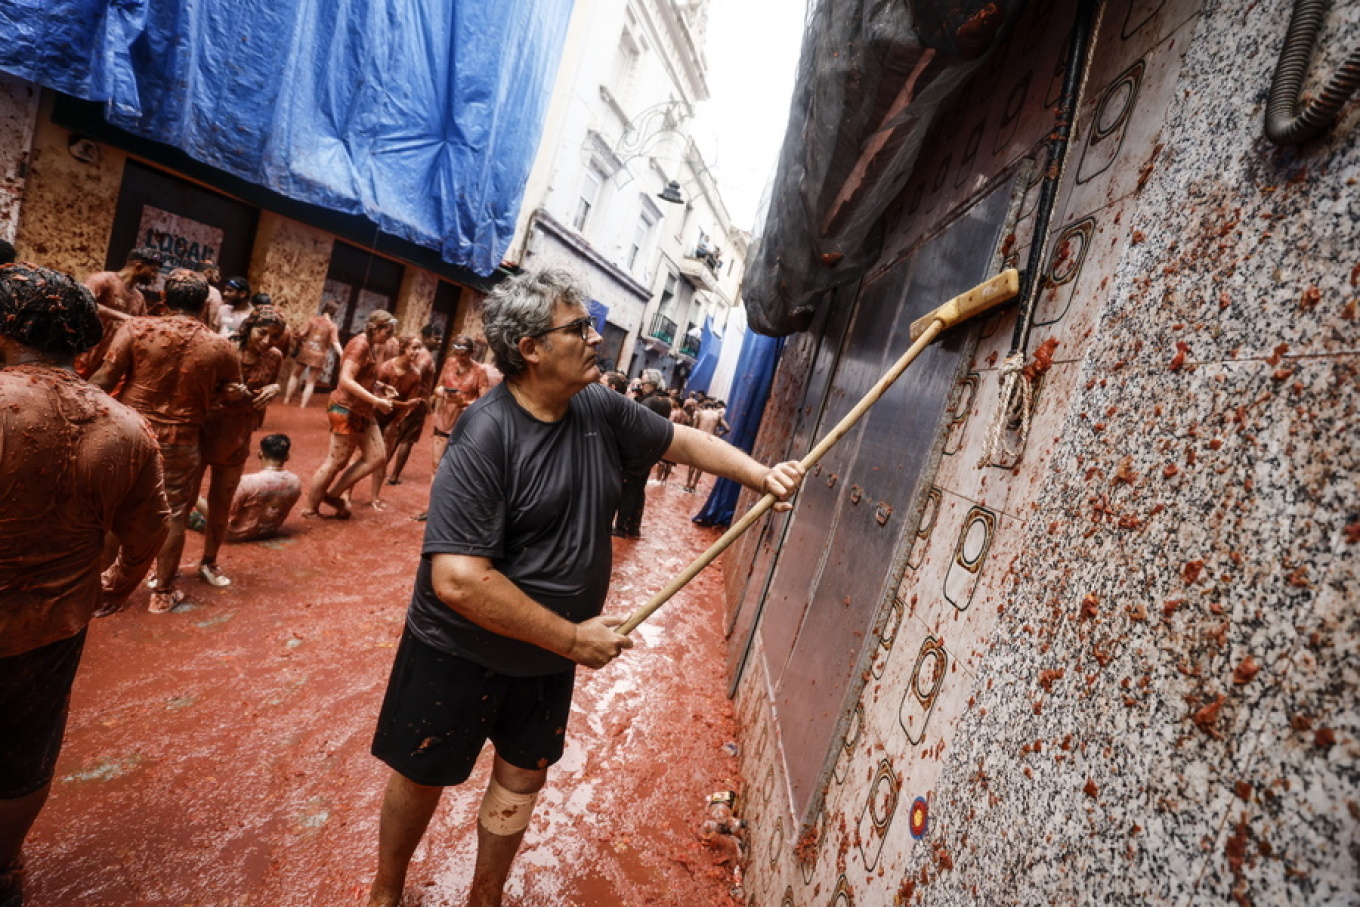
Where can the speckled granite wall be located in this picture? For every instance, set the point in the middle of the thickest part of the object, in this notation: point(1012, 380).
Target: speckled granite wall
point(415, 300)
point(1126, 670)
point(289, 261)
point(18, 116)
point(68, 205)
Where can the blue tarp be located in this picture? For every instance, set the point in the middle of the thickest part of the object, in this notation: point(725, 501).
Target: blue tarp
point(710, 348)
point(422, 115)
point(599, 313)
point(750, 389)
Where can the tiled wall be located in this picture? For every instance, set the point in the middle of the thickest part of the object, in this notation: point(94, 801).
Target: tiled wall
point(1125, 670)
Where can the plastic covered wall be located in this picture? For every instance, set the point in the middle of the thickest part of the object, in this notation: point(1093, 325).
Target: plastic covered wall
point(422, 116)
point(873, 75)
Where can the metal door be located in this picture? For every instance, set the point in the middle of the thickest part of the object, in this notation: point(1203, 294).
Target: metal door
point(840, 558)
point(831, 324)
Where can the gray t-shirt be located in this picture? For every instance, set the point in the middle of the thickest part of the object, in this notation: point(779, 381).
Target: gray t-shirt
point(536, 498)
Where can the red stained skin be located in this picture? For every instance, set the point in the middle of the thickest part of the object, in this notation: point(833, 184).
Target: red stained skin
point(219, 755)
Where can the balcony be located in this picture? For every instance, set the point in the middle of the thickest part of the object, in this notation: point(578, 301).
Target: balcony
point(662, 329)
point(698, 273)
point(689, 345)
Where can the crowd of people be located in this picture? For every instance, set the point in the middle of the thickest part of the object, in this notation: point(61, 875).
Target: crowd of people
point(115, 411)
point(695, 410)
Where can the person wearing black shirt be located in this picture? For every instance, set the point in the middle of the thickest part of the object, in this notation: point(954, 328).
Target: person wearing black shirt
point(633, 497)
point(514, 572)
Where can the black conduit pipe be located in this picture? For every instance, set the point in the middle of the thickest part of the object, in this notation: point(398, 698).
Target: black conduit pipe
point(1285, 123)
point(1057, 142)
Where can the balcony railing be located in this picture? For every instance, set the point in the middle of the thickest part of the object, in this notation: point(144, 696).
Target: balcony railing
point(662, 329)
point(689, 346)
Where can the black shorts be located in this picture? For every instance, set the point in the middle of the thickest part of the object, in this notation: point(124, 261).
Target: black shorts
point(413, 424)
point(440, 710)
point(35, 695)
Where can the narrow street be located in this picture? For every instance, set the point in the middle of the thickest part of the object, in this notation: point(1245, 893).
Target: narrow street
point(219, 755)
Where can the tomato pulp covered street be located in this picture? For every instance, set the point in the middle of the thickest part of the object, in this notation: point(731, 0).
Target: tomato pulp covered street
point(219, 754)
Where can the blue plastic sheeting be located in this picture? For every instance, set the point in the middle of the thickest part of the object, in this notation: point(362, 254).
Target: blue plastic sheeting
point(599, 313)
point(710, 348)
point(77, 47)
point(422, 115)
point(751, 388)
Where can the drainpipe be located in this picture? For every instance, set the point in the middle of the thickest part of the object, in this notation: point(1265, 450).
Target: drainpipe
point(1286, 124)
point(1057, 143)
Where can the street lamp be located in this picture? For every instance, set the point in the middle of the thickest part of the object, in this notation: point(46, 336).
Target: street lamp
point(671, 193)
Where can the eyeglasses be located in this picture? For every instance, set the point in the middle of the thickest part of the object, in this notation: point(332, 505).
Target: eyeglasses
point(582, 326)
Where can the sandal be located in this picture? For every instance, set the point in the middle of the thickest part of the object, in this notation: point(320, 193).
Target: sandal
point(212, 576)
point(164, 601)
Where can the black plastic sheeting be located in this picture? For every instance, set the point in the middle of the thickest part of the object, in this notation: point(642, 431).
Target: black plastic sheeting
point(421, 115)
point(873, 76)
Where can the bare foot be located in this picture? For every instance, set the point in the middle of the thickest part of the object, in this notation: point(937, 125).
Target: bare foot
point(165, 600)
point(383, 897)
point(309, 514)
point(377, 504)
point(339, 504)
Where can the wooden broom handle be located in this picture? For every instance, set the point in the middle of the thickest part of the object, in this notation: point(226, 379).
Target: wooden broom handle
point(984, 296)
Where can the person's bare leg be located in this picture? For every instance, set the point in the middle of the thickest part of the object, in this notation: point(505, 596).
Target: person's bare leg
point(374, 453)
point(495, 853)
point(294, 379)
point(399, 457)
point(16, 818)
point(222, 485)
point(308, 386)
point(380, 471)
point(406, 811)
point(338, 455)
point(692, 478)
point(167, 562)
point(180, 495)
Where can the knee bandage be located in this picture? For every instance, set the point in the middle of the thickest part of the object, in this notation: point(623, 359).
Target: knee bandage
point(505, 812)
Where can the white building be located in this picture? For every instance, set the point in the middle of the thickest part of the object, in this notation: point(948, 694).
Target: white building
point(620, 194)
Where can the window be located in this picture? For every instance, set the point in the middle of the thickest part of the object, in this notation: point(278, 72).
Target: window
point(631, 46)
point(667, 295)
point(590, 196)
point(642, 236)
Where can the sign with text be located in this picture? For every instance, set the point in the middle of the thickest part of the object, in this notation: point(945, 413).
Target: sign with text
point(185, 243)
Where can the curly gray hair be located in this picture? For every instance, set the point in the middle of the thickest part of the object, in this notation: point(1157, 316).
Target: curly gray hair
point(523, 306)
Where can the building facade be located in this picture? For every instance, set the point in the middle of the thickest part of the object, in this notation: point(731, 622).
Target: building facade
point(620, 193)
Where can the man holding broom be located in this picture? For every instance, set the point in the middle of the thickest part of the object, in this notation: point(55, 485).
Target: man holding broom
point(514, 571)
